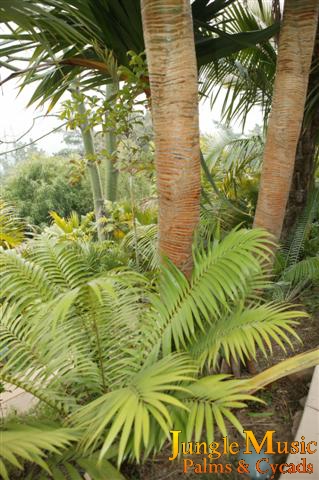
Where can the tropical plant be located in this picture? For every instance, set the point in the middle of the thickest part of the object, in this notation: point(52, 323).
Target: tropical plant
point(12, 228)
point(70, 35)
point(295, 268)
point(246, 78)
point(288, 104)
point(119, 360)
point(78, 36)
point(248, 75)
point(175, 122)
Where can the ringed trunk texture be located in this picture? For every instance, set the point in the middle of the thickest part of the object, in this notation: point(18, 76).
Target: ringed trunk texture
point(296, 45)
point(170, 50)
point(94, 173)
point(111, 173)
point(303, 177)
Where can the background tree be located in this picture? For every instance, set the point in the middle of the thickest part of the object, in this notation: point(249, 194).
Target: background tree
point(41, 184)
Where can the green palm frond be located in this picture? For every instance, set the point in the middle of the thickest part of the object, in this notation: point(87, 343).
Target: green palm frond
point(63, 39)
point(67, 225)
point(20, 277)
point(247, 75)
point(210, 401)
point(185, 308)
point(234, 152)
point(31, 444)
point(11, 227)
point(64, 267)
point(246, 328)
point(131, 410)
point(144, 242)
point(295, 244)
point(305, 270)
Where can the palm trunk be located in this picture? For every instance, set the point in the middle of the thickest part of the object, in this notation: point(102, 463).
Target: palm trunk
point(111, 173)
point(303, 177)
point(292, 73)
point(93, 171)
point(169, 40)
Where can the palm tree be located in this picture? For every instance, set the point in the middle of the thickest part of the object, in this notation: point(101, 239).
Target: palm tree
point(169, 41)
point(303, 179)
point(248, 77)
point(92, 167)
point(73, 38)
point(296, 45)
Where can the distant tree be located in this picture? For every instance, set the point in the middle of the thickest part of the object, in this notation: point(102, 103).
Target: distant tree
point(40, 184)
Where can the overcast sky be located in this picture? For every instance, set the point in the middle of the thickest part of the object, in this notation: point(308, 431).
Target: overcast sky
point(16, 119)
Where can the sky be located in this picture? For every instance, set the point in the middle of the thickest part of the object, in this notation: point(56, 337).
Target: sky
point(16, 119)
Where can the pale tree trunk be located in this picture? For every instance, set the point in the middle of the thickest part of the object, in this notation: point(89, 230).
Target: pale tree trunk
point(170, 50)
point(93, 171)
point(296, 45)
point(111, 172)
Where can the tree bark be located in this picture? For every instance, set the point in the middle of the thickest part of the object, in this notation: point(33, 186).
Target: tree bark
point(303, 176)
point(94, 174)
point(170, 49)
point(296, 45)
point(111, 173)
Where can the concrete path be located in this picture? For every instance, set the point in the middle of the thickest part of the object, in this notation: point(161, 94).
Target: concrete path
point(309, 428)
point(15, 400)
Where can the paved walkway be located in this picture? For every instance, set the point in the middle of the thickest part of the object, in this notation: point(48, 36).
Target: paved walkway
point(15, 400)
point(309, 428)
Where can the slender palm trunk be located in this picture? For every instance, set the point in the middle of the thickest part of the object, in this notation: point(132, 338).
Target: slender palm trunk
point(111, 173)
point(296, 45)
point(93, 171)
point(169, 40)
point(307, 150)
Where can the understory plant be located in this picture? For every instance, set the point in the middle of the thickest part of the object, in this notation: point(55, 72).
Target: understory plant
point(119, 360)
point(297, 265)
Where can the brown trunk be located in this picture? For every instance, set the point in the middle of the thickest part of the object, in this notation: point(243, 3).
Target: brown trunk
point(292, 73)
point(170, 49)
point(276, 15)
point(303, 176)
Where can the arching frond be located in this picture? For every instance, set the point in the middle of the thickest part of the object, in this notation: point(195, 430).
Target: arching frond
point(124, 413)
point(247, 76)
point(30, 443)
point(220, 277)
point(143, 242)
point(11, 226)
point(246, 328)
point(97, 346)
point(305, 270)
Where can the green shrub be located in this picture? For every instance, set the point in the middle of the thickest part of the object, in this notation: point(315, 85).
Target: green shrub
point(41, 184)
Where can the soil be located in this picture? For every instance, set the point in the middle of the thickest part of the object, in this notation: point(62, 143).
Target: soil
point(281, 412)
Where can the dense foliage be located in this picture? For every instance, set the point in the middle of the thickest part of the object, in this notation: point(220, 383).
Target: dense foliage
point(118, 360)
point(41, 184)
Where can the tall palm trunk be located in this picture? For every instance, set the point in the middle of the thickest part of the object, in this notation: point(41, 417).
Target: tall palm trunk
point(303, 179)
point(111, 173)
point(93, 171)
point(296, 45)
point(169, 40)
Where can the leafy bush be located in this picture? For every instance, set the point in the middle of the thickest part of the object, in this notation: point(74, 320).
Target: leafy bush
point(39, 185)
